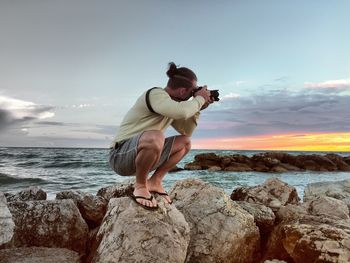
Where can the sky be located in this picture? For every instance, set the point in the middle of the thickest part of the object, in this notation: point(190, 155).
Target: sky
point(70, 70)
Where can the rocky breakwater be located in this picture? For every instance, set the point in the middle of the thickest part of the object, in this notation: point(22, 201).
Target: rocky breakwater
point(266, 223)
point(269, 162)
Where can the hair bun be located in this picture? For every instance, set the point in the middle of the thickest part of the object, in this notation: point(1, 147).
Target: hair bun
point(172, 70)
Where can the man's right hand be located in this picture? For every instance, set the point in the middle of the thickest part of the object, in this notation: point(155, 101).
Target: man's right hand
point(204, 92)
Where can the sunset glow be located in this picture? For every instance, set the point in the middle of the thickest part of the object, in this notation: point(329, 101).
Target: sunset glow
point(338, 142)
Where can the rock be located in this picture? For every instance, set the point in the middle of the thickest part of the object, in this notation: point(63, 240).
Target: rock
point(92, 208)
point(38, 255)
point(260, 167)
point(30, 194)
point(328, 206)
point(214, 168)
point(263, 216)
point(339, 190)
point(6, 223)
point(220, 229)
point(301, 237)
point(118, 190)
point(315, 162)
point(289, 167)
point(273, 193)
point(193, 166)
point(150, 236)
point(275, 261)
point(347, 159)
point(338, 161)
point(206, 157)
point(264, 160)
point(278, 169)
point(51, 223)
point(238, 167)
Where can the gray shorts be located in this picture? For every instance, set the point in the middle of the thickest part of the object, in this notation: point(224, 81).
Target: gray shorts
point(122, 159)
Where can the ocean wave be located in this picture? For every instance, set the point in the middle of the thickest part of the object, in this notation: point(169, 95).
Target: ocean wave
point(28, 164)
point(74, 164)
point(7, 179)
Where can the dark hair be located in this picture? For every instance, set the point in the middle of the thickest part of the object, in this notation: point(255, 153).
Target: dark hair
point(180, 77)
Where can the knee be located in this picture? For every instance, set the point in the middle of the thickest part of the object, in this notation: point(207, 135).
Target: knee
point(153, 140)
point(186, 142)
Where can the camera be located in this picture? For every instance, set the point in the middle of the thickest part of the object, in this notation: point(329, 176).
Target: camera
point(214, 94)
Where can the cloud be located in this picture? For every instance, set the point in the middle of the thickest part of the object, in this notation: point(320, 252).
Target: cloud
point(15, 111)
point(329, 84)
point(277, 112)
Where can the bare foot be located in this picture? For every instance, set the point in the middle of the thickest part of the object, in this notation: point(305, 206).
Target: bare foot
point(158, 188)
point(143, 191)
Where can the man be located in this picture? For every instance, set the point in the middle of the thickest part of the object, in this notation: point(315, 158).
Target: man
point(140, 145)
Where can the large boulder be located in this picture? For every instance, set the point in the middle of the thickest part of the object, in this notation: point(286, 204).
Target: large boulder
point(338, 190)
point(38, 255)
point(272, 193)
point(315, 162)
point(51, 223)
point(91, 207)
point(130, 233)
point(328, 206)
point(6, 223)
point(338, 161)
point(301, 237)
point(30, 194)
point(220, 229)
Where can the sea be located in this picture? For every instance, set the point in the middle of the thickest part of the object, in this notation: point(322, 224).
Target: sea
point(87, 170)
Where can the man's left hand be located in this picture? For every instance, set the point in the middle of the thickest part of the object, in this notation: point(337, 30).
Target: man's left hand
point(205, 105)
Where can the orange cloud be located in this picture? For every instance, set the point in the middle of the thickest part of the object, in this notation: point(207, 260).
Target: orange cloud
point(339, 142)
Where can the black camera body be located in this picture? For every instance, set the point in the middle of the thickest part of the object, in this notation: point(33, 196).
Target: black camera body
point(214, 94)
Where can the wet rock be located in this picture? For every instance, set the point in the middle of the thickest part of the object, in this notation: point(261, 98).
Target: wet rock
point(238, 167)
point(130, 233)
point(339, 162)
point(91, 207)
point(38, 255)
point(273, 193)
point(220, 229)
point(6, 222)
point(51, 223)
point(30, 194)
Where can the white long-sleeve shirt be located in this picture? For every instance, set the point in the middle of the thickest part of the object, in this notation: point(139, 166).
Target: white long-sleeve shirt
point(181, 115)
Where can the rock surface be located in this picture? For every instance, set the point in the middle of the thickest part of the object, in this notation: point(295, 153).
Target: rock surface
point(118, 190)
point(6, 223)
point(91, 207)
point(338, 190)
point(38, 255)
point(269, 162)
point(130, 233)
point(51, 223)
point(220, 229)
point(30, 194)
point(273, 193)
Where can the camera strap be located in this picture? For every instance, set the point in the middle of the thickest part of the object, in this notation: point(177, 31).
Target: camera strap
point(149, 106)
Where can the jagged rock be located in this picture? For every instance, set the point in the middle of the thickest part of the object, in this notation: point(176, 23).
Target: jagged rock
point(118, 190)
point(289, 167)
point(273, 193)
point(301, 237)
point(315, 162)
point(265, 160)
point(193, 166)
point(338, 161)
point(130, 233)
point(50, 223)
point(220, 229)
point(347, 159)
point(91, 207)
point(6, 223)
point(328, 206)
point(263, 216)
point(207, 156)
point(30, 194)
point(238, 167)
point(338, 190)
point(38, 255)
